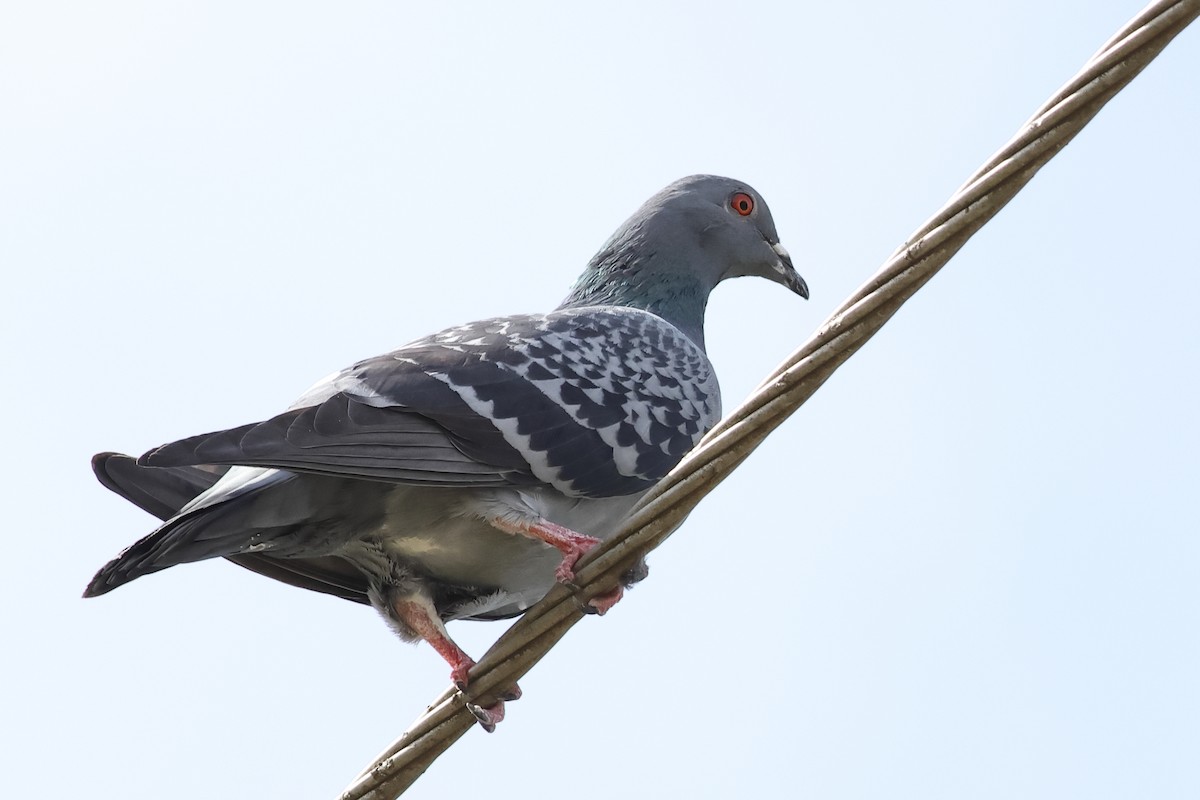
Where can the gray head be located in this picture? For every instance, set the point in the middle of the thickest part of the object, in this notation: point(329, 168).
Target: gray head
point(679, 245)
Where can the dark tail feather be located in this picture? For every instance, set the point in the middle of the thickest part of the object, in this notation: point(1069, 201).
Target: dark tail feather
point(161, 491)
point(117, 572)
point(174, 543)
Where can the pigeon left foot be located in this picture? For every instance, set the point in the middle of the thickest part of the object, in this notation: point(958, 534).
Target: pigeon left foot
point(418, 614)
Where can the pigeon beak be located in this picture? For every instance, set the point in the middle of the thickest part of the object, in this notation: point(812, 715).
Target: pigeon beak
point(786, 274)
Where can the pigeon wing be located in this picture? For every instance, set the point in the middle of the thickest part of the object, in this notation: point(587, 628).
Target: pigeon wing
point(596, 402)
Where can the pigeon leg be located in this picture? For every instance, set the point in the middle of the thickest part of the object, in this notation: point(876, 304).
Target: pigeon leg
point(419, 615)
point(568, 542)
point(571, 544)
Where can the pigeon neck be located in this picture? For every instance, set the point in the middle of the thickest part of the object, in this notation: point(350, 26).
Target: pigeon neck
point(679, 298)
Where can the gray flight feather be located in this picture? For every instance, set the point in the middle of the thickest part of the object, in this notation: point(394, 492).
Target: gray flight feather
point(391, 469)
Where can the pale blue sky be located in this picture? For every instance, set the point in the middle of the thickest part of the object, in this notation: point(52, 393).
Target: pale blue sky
point(969, 567)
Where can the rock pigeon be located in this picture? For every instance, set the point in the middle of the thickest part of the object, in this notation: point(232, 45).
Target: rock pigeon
point(461, 475)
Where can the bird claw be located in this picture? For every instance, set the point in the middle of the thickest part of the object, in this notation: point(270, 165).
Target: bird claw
point(488, 717)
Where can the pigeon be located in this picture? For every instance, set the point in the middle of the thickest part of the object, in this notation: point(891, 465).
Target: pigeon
point(463, 474)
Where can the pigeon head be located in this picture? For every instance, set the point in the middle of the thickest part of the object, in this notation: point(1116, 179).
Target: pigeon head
point(669, 256)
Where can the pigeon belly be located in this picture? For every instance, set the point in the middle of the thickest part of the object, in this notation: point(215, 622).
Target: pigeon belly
point(443, 534)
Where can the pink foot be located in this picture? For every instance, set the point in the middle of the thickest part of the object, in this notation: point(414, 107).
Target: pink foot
point(566, 541)
point(601, 603)
point(572, 552)
point(459, 670)
point(419, 615)
point(460, 677)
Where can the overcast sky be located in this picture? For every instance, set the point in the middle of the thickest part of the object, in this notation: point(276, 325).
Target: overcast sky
point(968, 567)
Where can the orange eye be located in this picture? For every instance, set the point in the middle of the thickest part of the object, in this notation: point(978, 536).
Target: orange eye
point(742, 203)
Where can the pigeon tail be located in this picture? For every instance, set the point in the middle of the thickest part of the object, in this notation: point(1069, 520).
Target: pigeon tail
point(214, 529)
point(155, 490)
point(118, 572)
point(161, 492)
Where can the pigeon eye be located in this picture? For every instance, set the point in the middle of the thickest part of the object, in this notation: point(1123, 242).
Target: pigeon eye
point(742, 203)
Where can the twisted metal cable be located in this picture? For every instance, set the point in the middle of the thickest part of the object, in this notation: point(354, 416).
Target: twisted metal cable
point(916, 261)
